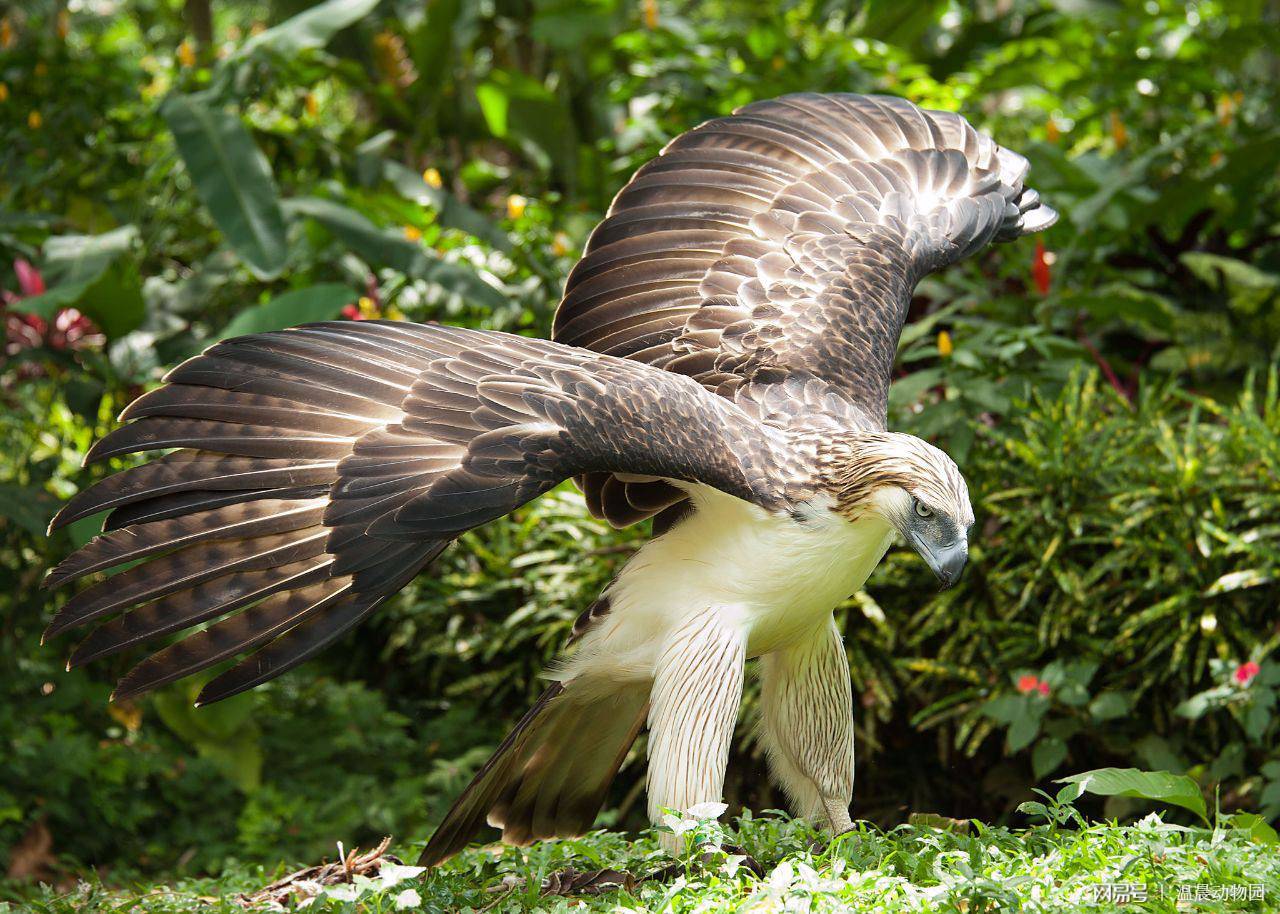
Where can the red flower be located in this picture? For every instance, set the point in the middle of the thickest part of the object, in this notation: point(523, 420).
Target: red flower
point(69, 329)
point(1040, 268)
point(29, 279)
point(1028, 684)
point(352, 313)
point(1245, 672)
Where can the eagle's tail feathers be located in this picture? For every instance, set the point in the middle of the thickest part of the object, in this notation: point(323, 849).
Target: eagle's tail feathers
point(549, 777)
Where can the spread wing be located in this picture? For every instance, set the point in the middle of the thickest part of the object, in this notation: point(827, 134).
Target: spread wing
point(319, 469)
point(785, 241)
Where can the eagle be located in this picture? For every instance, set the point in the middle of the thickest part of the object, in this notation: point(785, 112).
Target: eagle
point(720, 365)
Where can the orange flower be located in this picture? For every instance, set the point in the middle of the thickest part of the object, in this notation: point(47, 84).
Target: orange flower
point(650, 9)
point(1040, 268)
point(309, 102)
point(4, 92)
point(186, 54)
point(560, 244)
point(515, 206)
point(6, 33)
point(412, 233)
point(1052, 133)
point(432, 177)
point(1118, 132)
point(945, 347)
point(35, 120)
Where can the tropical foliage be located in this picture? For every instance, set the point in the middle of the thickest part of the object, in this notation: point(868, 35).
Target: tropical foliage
point(1110, 390)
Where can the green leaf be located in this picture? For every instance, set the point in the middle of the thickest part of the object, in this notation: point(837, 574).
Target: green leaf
point(452, 212)
point(75, 258)
point(298, 306)
point(1161, 786)
point(381, 248)
point(898, 23)
point(1004, 709)
point(939, 822)
point(115, 301)
point(519, 109)
point(1109, 706)
point(233, 179)
point(92, 276)
point(1238, 580)
point(225, 732)
point(1024, 729)
point(309, 29)
point(1257, 828)
point(1048, 754)
point(574, 24)
point(29, 508)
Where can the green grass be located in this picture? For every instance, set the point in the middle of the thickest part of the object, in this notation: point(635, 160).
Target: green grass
point(910, 868)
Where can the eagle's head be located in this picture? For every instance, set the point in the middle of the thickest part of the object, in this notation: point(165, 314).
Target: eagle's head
point(910, 484)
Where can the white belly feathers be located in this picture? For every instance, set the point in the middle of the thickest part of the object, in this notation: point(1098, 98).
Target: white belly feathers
point(768, 576)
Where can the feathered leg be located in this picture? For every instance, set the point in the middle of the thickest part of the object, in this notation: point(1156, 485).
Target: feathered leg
point(693, 707)
point(807, 725)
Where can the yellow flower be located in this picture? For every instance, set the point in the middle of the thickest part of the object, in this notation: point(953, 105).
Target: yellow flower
point(310, 103)
point(560, 244)
point(650, 14)
point(1052, 132)
point(1119, 133)
point(945, 347)
point(6, 33)
point(186, 54)
point(367, 306)
point(64, 24)
point(1226, 109)
point(4, 92)
point(432, 177)
point(515, 206)
point(412, 233)
point(34, 120)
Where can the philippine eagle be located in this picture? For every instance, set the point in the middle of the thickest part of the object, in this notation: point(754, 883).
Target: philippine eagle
point(720, 363)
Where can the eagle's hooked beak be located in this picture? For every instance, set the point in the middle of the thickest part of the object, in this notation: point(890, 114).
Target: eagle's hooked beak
point(947, 560)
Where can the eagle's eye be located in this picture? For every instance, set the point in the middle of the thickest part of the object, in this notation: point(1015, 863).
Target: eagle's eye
point(922, 509)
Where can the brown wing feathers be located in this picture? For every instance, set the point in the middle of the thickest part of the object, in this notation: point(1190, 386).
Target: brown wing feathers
point(784, 241)
point(230, 529)
point(319, 469)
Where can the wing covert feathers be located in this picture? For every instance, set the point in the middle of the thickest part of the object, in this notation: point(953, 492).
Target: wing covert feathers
point(785, 240)
point(313, 472)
